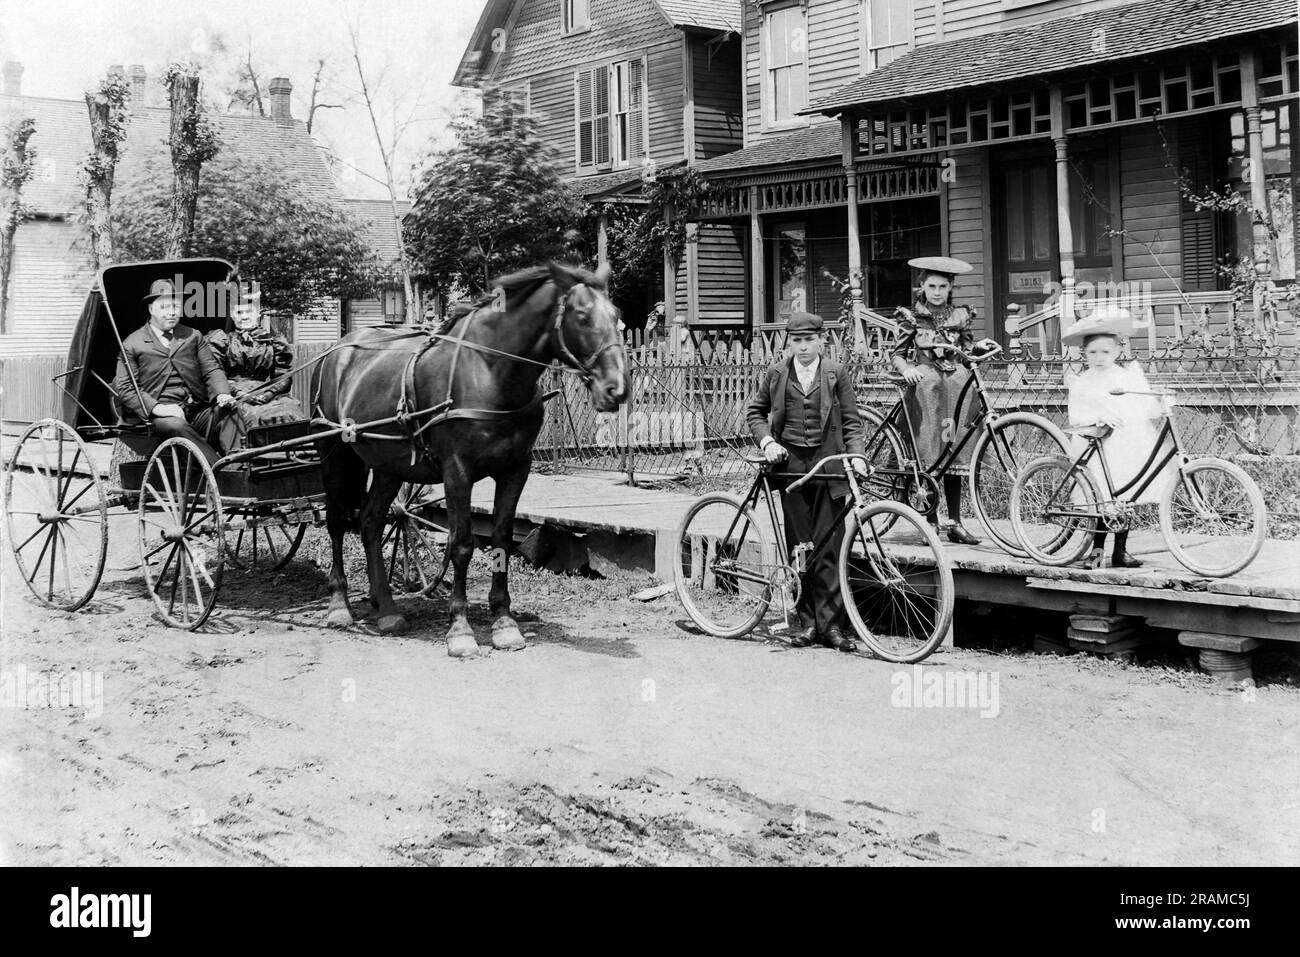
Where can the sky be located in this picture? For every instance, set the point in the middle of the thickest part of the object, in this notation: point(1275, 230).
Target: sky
point(409, 50)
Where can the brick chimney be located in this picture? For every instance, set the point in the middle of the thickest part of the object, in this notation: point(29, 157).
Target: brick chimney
point(13, 78)
point(280, 88)
point(138, 76)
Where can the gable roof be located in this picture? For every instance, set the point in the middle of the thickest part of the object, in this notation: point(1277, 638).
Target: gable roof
point(376, 218)
point(1060, 45)
point(62, 142)
point(636, 22)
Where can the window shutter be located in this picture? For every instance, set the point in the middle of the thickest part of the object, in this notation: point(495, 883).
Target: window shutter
point(601, 116)
point(586, 141)
point(1199, 230)
point(636, 144)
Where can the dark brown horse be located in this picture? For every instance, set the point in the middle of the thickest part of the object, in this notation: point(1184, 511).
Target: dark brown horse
point(480, 379)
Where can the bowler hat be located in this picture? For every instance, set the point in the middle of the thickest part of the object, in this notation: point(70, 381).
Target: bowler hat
point(802, 322)
point(159, 288)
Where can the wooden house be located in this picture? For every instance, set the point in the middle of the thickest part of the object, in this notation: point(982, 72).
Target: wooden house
point(1044, 141)
point(621, 89)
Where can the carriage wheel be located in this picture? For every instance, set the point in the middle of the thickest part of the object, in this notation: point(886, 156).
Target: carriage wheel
point(57, 520)
point(255, 546)
point(182, 548)
point(410, 546)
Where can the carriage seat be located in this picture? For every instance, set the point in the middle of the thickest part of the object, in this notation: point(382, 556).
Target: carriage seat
point(264, 435)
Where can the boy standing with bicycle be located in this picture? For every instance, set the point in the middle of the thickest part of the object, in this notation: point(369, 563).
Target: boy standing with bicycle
point(803, 410)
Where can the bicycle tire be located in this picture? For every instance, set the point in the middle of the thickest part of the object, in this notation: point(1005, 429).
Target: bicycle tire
point(697, 539)
point(1258, 519)
point(1068, 539)
point(990, 497)
point(895, 625)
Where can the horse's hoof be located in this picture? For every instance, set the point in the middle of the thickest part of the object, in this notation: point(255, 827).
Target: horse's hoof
point(339, 618)
point(461, 644)
point(391, 624)
point(506, 635)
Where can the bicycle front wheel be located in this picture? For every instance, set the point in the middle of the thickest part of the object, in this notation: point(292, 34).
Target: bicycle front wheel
point(723, 566)
point(899, 598)
point(887, 478)
point(1001, 452)
point(1055, 510)
point(1213, 517)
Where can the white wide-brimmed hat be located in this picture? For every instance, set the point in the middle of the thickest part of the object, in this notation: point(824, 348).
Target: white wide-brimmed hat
point(1103, 321)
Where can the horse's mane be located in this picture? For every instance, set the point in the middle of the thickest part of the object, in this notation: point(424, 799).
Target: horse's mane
point(523, 283)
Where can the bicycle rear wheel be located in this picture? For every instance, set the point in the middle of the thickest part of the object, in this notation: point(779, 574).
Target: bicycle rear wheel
point(999, 455)
point(723, 566)
point(887, 478)
point(1055, 510)
point(899, 598)
point(1213, 517)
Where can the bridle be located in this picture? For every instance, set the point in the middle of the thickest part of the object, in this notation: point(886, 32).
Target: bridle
point(583, 369)
point(571, 362)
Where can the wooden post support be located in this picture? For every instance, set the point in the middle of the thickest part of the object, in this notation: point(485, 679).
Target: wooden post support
point(1064, 232)
point(849, 156)
point(670, 291)
point(1258, 188)
point(757, 264)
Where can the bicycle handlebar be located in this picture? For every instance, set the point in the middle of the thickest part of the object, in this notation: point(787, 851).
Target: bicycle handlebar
point(1157, 392)
point(844, 456)
point(965, 357)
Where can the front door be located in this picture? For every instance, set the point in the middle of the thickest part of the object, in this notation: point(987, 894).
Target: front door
point(1027, 261)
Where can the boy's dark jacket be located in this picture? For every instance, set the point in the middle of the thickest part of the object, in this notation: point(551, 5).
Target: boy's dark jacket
point(841, 424)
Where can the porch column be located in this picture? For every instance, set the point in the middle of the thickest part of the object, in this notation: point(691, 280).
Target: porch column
point(1064, 232)
point(849, 155)
point(757, 270)
point(670, 289)
point(602, 238)
point(1258, 186)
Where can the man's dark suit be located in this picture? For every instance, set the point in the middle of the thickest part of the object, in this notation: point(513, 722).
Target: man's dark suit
point(811, 510)
point(152, 364)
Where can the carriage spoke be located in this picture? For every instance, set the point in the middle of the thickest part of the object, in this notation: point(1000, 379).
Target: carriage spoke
point(67, 485)
point(29, 538)
point(41, 557)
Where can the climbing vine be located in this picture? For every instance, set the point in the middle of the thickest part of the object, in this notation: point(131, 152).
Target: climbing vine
point(17, 163)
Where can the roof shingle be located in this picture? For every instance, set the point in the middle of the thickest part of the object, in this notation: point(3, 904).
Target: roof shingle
point(821, 141)
point(706, 14)
point(62, 142)
point(1057, 46)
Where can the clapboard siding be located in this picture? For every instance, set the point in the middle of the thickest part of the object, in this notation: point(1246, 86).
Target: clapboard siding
point(535, 44)
point(968, 18)
point(51, 277)
point(833, 46)
point(364, 313)
point(721, 258)
point(925, 22)
point(667, 100)
point(966, 239)
point(322, 322)
point(550, 100)
point(719, 107)
point(1150, 211)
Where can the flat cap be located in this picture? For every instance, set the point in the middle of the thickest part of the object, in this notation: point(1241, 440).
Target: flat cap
point(803, 322)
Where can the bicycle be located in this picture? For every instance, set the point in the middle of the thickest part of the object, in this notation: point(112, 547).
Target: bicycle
point(1004, 444)
point(1211, 513)
point(726, 567)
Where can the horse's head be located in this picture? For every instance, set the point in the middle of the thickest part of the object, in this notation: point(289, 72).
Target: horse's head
point(586, 334)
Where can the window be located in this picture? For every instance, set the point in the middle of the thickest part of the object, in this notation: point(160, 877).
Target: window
point(577, 15)
point(611, 116)
point(791, 271)
point(394, 305)
point(889, 31)
point(785, 84)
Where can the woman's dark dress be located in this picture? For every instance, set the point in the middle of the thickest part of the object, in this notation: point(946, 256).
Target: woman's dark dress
point(252, 360)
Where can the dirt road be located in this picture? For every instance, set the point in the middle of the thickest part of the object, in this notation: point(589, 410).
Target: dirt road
point(615, 737)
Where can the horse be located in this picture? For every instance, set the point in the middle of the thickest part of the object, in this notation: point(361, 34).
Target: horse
point(467, 407)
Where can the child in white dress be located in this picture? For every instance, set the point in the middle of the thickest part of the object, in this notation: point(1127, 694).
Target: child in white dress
point(1130, 423)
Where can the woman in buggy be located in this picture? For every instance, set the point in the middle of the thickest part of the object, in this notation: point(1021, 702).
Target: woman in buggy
point(257, 362)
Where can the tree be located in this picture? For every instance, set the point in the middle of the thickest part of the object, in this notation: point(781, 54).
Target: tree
point(387, 151)
point(17, 163)
point(192, 144)
point(109, 113)
point(492, 203)
point(318, 81)
point(297, 246)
